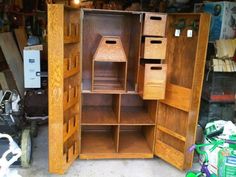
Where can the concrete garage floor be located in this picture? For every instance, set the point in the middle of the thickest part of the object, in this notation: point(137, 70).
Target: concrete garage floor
point(97, 168)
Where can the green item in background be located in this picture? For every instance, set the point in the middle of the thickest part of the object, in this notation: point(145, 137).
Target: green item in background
point(232, 137)
point(227, 162)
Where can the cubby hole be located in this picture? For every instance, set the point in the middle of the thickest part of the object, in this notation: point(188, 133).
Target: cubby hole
point(100, 109)
point(71, 149)
point(136, 139)
point(136, 111)
point(71, 60)
point(99, 139)
point(71, 26)
point(126, 26)
point(109, 77)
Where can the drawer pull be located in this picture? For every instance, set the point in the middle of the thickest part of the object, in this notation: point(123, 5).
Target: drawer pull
point(110, 42)
point(156, 68)
point(155, 18)
point(155, 42)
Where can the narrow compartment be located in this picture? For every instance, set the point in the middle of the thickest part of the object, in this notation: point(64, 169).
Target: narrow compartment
point(100, 109)
point(71, 27)
point(99, 140)
point(135, 111)
point(136, 139)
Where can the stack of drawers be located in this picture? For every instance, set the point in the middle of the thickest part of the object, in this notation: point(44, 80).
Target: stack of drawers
point(152, 73)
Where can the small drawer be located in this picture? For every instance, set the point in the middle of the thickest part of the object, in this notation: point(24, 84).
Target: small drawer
point(154, 24)
point(154, 48)
point(152, 81)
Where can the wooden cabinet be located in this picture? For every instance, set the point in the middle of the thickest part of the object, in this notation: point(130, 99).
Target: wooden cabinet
point(117, 104)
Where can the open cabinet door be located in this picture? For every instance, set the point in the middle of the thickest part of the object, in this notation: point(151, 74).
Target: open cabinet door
point(177, 115)
point(64, 86)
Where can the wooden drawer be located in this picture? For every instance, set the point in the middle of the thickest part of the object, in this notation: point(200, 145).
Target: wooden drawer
point(152, 81)
point(154, 24)
point(154, 48)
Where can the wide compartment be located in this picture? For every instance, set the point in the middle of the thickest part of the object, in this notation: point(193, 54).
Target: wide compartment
point(136, 140)
point(99, 139)
point(135, 111)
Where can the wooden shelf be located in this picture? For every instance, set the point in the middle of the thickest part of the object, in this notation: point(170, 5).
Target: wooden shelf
point(135, 116)
point(98, 115)
point(71, 39)
point(133, 142)
point(98, 142)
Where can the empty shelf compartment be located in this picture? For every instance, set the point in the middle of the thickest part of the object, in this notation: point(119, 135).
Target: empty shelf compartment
point(100, 109)
point(135, 111)
point(99, 139)
point(136, 139)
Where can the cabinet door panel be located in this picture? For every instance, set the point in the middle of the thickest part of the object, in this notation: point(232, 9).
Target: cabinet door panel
point(177, 115)
point(64, 87)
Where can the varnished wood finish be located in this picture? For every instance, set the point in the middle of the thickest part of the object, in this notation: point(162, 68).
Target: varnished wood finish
point(64, 91)
point(178, 112)
point(154, 48)
point(55, 72)
point(154, 24)
point(152, 81)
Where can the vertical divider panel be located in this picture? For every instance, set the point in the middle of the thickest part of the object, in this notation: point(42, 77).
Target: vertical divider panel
point(117, 137)
point(117, 106)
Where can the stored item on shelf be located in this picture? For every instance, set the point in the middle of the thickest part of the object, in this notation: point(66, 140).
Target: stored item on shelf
point(224, 65)
point(225, 48)
point(109, 67)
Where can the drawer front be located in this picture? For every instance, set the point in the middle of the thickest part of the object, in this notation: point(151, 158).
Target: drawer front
point(154, 81)
point(154, 24)
point(154, 48)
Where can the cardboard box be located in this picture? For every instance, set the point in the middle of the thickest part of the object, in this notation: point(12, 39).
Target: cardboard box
point(223, 19)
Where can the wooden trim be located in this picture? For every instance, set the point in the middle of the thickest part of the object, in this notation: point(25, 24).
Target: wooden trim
point(198, 76)
point(56, 82)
